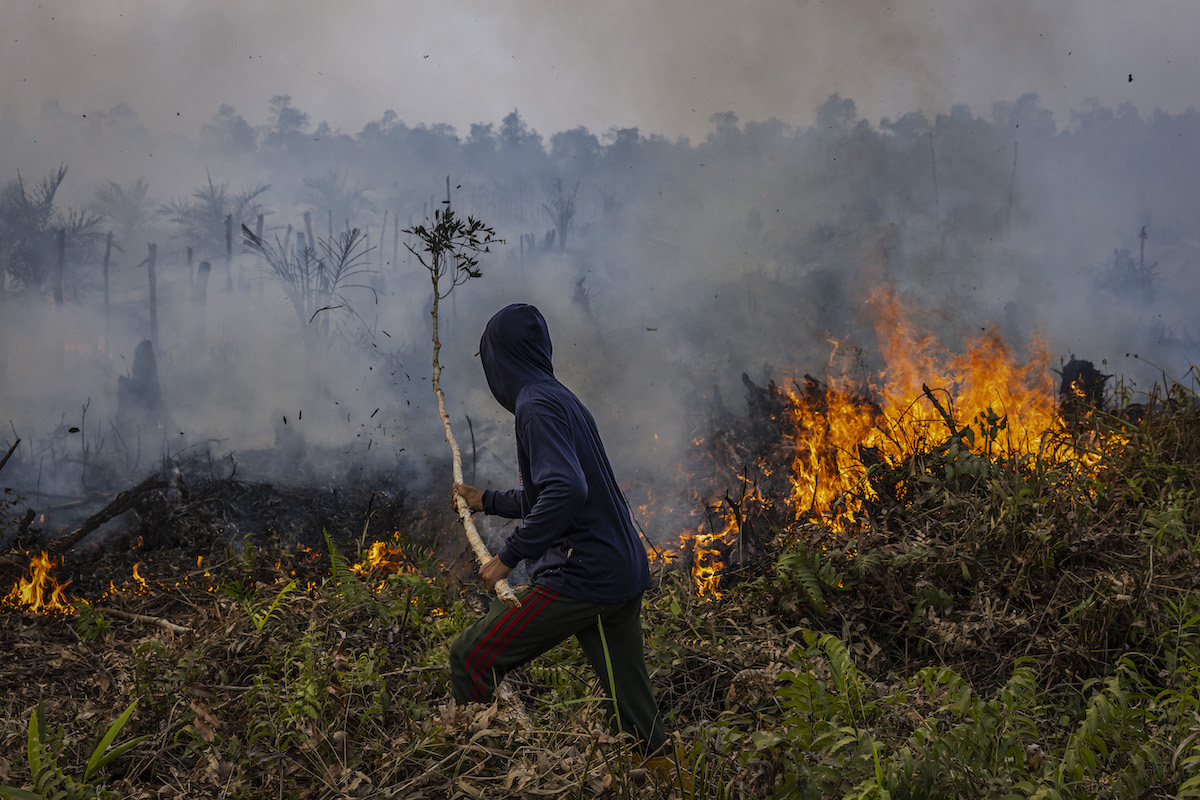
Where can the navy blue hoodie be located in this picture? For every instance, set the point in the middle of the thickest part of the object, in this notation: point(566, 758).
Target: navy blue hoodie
point(576, 529)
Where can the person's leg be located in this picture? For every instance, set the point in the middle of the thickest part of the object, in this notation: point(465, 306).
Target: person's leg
point(499, 641)
point(506, 638)
point(618, 646)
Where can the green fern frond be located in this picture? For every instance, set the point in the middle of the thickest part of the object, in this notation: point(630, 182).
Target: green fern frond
point(260, 618)
point(841, 665)
point(350, 588)
point(812, 586)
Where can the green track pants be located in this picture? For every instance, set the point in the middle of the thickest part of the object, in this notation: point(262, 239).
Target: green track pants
point(505, 638)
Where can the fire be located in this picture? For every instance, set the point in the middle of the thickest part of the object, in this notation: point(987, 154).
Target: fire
point(706, 563)
point(919, 395)
point(706, 558)
point(830, 427)
point(140, 587)
point(383, 559)
point(926, 394)
point(132, 585)
point(985, 378)
point(379, 557)
point(40, 592)
point(79, 343)
point(402, 564)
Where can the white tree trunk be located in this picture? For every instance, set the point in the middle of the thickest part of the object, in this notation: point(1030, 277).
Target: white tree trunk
point(503, 590)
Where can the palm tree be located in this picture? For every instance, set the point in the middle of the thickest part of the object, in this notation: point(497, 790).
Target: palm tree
point(332, 194)
point(34, 235)
point(561, 209)
point(201, 220)
point(125, 207)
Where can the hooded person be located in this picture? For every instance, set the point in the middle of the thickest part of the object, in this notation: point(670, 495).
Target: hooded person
point(587, 564)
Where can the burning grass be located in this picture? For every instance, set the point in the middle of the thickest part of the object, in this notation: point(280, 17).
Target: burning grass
point(1000, 610)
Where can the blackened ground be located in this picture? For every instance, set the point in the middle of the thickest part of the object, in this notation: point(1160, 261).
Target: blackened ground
point(203, 518)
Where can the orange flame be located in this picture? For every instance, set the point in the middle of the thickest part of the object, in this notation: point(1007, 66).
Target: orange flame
point(141, 587)
point(985, 377)
point(40, 592)
point(923, 390)
point(135, 585)
point(982, 386)
point(382, 559)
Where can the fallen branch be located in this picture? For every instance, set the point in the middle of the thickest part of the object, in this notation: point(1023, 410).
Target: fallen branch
point(119, 505)
point(429, 773)
point(159, 621)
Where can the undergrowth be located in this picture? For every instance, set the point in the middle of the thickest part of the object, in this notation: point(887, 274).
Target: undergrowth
point(1014, 628)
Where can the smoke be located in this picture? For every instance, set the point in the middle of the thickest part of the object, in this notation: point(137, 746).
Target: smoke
point(752, 249)
point(663, 67)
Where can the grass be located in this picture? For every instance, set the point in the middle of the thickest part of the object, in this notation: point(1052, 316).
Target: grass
point(1018, 629)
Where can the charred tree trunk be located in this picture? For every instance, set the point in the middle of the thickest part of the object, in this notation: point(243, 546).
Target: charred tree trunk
point(107, 308)
point(229, 252)
point(396, 239)
point(201, 300)
point(201, 288)
point(60, 264)
point(258, 231)
point(151, 260)
point(119, 505)
point(8, 455)
point(933, 172)
point(139, 397)
point(382, 234)
point(1012, 183)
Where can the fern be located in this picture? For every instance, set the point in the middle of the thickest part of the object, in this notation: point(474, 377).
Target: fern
point(350, 589)
point(260, 617)
point(49, 779)
point(803, 578)
point(843, 672)
point(290, 705)
point(806, 700)
point(815, 596)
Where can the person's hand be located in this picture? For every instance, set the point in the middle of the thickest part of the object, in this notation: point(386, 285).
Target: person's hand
point(493, 571)
point(473, 496)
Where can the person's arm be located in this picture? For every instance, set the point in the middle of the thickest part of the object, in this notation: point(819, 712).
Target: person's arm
point(509, 504)
point(495, 569)
point(558, 480)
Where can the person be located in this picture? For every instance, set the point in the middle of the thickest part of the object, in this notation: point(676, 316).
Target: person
point(588, 567)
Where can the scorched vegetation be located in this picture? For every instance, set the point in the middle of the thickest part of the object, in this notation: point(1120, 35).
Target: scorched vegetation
point(994, 621)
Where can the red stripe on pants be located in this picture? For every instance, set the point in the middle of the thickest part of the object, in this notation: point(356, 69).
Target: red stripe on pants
point(483, 655)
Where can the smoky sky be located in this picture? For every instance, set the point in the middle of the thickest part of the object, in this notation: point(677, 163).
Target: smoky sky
point(724, 257)
point(664, 67)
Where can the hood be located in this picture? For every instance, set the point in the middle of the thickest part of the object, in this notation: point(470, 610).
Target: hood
point(515, 351)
